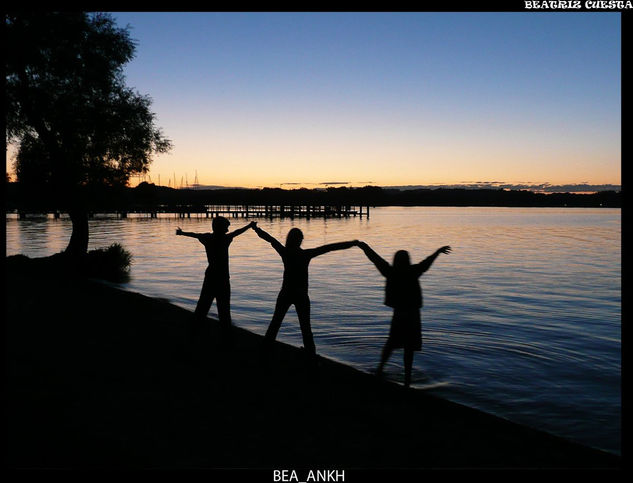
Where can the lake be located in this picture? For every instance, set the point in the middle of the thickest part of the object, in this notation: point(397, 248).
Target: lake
point(522, 319)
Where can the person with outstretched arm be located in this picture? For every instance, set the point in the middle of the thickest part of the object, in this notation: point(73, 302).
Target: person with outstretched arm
point(216, 283)
point(404, 294)
point(294, 288)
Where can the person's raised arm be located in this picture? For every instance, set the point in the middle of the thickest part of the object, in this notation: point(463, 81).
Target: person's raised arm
point(269, 238)
point(188, 233)
point(330, 247)
point(381, 264)
point(425, 264)
point(239, 231)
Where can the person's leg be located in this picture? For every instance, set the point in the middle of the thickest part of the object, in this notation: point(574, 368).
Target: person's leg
point(223, 300)
point(408, 363)
point(281, 307)
point(207, 294)
point(413, 341)
point(205, 300)
point(303, 313)
point(386, 352)
point(392, 340)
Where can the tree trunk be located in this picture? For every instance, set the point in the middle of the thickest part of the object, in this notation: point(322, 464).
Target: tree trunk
point(78, 244)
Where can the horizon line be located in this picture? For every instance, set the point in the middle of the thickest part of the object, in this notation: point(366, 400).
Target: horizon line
point(538, 187)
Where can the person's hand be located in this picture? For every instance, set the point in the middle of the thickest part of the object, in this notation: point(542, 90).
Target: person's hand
point(446, 249)
point(178, 231)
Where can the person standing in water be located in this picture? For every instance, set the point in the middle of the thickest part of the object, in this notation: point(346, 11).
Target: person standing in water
point(294, 288)
point(216, 283)
point(404, 294)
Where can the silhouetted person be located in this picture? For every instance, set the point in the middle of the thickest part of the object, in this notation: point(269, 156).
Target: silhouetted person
point(404, 294)
point(216, 283)
point(294, 288)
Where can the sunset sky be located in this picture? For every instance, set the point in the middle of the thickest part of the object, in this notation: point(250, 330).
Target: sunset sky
point(289, 99)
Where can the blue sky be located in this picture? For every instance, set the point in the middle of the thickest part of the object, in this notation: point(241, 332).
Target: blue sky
point(263, 99)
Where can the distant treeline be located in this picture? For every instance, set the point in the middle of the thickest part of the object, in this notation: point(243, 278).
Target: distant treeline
point(150, 195)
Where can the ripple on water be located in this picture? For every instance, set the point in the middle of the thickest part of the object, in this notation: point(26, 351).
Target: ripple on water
point(521, 320)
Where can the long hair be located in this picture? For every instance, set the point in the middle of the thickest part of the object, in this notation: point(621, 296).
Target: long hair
point(294, 238)
point(401, 259)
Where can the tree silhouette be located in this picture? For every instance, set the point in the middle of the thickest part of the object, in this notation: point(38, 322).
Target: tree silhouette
point(75, 123)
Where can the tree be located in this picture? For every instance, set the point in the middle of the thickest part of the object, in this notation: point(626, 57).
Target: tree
point(75, 123)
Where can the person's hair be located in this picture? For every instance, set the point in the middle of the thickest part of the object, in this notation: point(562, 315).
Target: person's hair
point(294, 238)
point(401, 259)
point(219, 222)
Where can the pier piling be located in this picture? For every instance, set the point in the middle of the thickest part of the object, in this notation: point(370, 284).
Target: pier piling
point(269, 211)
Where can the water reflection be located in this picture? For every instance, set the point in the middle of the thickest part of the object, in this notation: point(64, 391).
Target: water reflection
point(523, 319)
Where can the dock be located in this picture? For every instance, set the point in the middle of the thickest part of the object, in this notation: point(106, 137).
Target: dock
point(275, 211)
point(268, 211)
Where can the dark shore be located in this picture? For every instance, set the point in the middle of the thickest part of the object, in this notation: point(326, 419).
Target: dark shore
point(102, 378)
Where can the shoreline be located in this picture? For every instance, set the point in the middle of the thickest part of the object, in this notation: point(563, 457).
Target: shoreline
point(112, 379)
point(152, 198)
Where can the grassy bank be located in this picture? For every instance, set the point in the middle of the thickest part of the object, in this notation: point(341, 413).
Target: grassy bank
point(99, 377)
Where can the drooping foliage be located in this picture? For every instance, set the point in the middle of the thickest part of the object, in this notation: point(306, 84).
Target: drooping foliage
point(75, 123)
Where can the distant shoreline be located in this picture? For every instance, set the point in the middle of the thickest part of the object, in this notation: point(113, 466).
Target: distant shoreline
point(147, 195)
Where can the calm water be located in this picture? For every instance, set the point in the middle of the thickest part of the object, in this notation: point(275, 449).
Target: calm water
point(522, 320)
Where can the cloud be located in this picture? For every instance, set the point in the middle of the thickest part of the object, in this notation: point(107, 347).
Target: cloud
point(538, 187)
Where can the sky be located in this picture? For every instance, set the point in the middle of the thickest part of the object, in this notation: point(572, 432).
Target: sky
point(305, 99)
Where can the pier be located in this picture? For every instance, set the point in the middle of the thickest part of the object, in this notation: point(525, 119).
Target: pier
point(230, 211)
point(281, 211)
point(258, 211)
